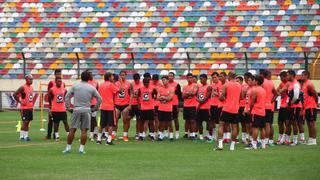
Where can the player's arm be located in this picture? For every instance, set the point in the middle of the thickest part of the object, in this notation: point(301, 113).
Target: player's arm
point(50, 98)
point(99, 100)
point(312, 92)
point(170, 97)
point(50, 85)
point(178, 92)
point(208, 95)
point(243, 93)
point(131, 95)
point(275, 94)
point(154, 93)
point(223, 93)
point(253, 99)
point(16, 94)
point(68, 99)
point(296, 91)
point(195, 91)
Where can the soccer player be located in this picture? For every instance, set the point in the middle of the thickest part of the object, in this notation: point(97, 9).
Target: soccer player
point(24, 96)
point(214, 109)
point(57, 107)
point(189, 94)
point(123, 105)
point(227, 128)
point(107, 121)
point(203, 114)
point(231, 95)
point(156, 84)
point(93, 128)
point(165, 96)
point(57, 74)
point(310, 107)
point(176, 97)
point(271, 95)
point(146, 100)
point(250, 81)
point(258, 112)
point(81, 114)
point(241, 116)
point(294, 106)
point(283, 111)
point(135, 110)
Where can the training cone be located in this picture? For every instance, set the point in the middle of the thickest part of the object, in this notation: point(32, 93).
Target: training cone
point(18, 126)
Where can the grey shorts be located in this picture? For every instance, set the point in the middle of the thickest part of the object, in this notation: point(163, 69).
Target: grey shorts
point(81, 120)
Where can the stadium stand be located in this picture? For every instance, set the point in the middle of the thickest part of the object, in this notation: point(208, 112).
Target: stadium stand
point(217, 35)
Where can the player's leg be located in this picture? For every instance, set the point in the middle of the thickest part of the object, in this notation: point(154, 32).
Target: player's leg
point(126, 123)
point(220, 135)
point(175, 117)
point(281, 125)
point(84, 126)
point(301, 129)
point(311, 117)
point(93, 125)
point(49, 127)
point(75, 122)
point(295, 126)
point(56, 122)
point(289, 125)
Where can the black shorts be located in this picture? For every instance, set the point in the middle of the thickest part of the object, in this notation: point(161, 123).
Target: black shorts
point(294, 114)
point(135, 111)
point(241, 117)
point(283, 115)
point(165, 116)
point(258, 121)
point(189, 113)
point(26, 114)
point(248, 118)
point(58, 116)
point(203, 115)
point(311, 114)
point(229, 117)
point(220, 112)
point(147, 115)
point(121, 107)
point(107, 118)
point(175, 112)
point(156, 110)
point(269, 116)
point(215, 114)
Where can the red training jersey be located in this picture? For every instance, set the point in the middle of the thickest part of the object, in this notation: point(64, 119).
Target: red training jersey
point(146, 100)
point(309, 101)
point(175, 100)
point(57, 102)
point(135, 87)
point(284, 95)
point(165, 105)
point(268, 86)
point(190, 101)
point(202, 93)
point(123, 97)
point(27, 97)
point(216, 88)
point(107, 91)
point(231, 103)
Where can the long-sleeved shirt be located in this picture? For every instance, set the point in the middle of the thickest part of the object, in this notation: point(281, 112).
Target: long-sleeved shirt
point(83, 93)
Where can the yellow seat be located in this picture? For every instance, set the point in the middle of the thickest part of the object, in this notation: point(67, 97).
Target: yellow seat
point(316, 33)
point(233, 29)
point(4, 49)
point(115, 19)
point(174, 40)
point(215, 55)
point(234, 39)
point(101, 5)
point(184, 24)
point(167, 30)
point(34, 9)
point(87, 19)
point(11, 5)
point(196, 72)
point(292, 33)
point(266, 49)
point(168, 66)
point(102, 30)
point(148, 14)
point(300, 33)
point(274, 61)
point(55, 35)
point(105, 35)
point(35, 40)
point(80, 55)
point(257, 28)
point(287, 2)
point(42, 71)
point(59, 61)
point(298, 49)
point(223, 55)
point(231, 55)
point(8, 66)
point(72, 56)
point(9, 45)
point(166, 19)
point(53, 66)
point(26, 24)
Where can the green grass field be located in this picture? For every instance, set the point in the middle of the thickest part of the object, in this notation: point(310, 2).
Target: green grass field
point(181, 159)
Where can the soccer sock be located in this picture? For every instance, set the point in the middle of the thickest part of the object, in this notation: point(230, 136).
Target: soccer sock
point(95, 131)
point(143, 134)
point(152, 134)
point(186, 133)
point(68, 147)
point(214, 133)
point(109, 139)
point(81, 148)
point(57, 135)
point(254, 144)
point(200, 136)
point(165, 134)
point(302, 136)
point(161, 135)
point(91, 135)
point(271, 141)
point(280, 137)
point(125, 134)
point(220, 145)
point(177, 134)
point(243, 136)
point(171, 135)
point(99, 137)
point(114, 133)
point(26, 134)
point(228, 135)
point(67, 134)
point(140, 134)
point(224, 135)
point(207, 134)
point(21, 134)
point(263, 143)
point(233, 143)
point(266, 141)
point(250, 137)
point(295, 139)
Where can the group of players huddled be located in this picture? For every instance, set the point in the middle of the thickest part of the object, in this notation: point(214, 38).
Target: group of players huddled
point(226, 100)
